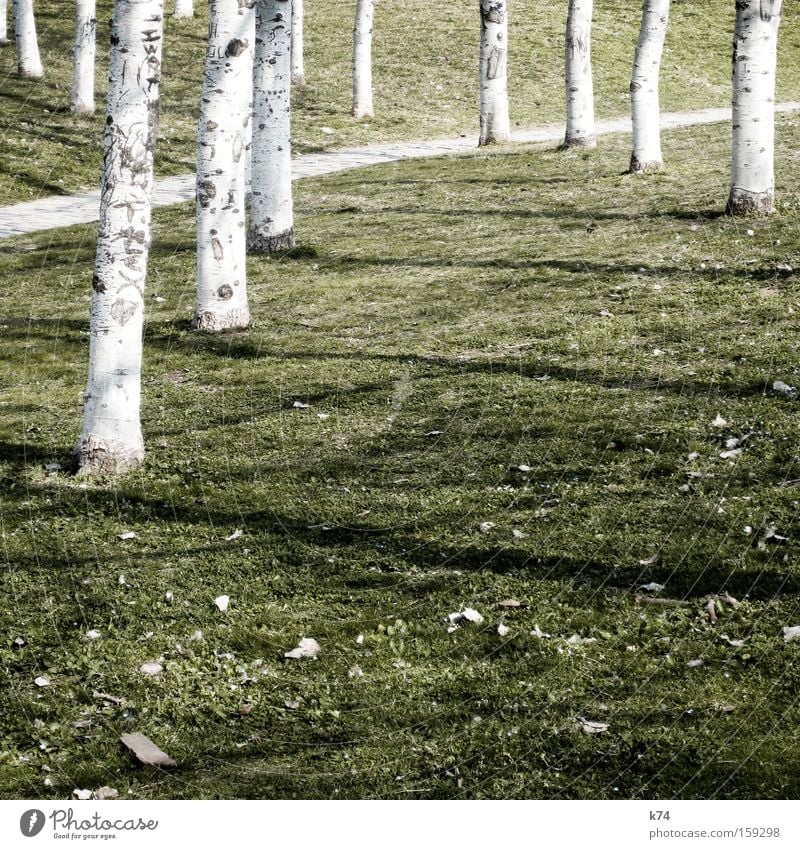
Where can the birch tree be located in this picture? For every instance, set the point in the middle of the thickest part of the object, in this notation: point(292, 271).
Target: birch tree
point(271, 206)
point(82, 99)
point(111, 440)
point(183, 9)
point(578, 75)
point(3, 23)
point(298, 68)
point(362, 59)
point(495, 125)
point(755, 43)
point(29, 65)
point(645, 112)
point(223, 135)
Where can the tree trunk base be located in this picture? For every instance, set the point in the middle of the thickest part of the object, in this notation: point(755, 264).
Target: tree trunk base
point(93, 456)
point(30, 73)
point(298, 79)
point(639, 167)
point(359, 114)
point(82, 108)
point(743, 202)
point(586, 142)
point(494, 139)
point(269, 243)
point(212, 322)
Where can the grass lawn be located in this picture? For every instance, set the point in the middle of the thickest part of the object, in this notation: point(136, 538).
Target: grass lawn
point(425, 78)
point(522, 372)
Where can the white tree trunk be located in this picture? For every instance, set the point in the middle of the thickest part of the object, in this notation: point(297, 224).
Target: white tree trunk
point(755, 43)
point(28, 62)
point(495, 126)
point(362, 59)
point(271, 207)
point(111, 441)
point(183, 9)
point(578, 75)
point(222, 138)
point(298, 68)
point(82, 100)
point(3, 22)
point(644, 87)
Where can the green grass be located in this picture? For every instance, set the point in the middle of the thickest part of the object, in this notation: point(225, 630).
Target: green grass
point(534, 308)
point(425, 78)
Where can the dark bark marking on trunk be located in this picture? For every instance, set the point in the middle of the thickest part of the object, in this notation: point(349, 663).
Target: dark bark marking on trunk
point(206, 190)
point(225, 291)
point(236, 47)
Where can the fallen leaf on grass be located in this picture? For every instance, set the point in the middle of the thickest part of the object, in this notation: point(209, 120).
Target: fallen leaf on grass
point(509, 602)
point(791, 632)
point(145, 750)
point(652, 587)
point(737, 644)
point(105, 697)
point(434, 433)
point(518, 534)
point(104, 793)
point(537, 632)
point(650, 561)
point(503, 630)
point(728, 455)
point(590, 727)
point(300, 405)
point(696, 663)
point(151, 668)
point(89, 636)
point(221, 602)
point(235, 535)
point(42, 681)
point(465, 615)
point(577, 640)
point(82, 794)
point(486, 527)
point(355, 672)
point(711, 610)
point(719, 422)
point(307, 647)
point(127, 535)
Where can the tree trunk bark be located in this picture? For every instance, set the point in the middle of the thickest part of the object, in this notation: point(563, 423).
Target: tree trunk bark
point(82, 100)
point(222, 138)
point(183, 9)
point(755, 43)
point(271, 206)
point(298, 67)
point(362, 59)
point(578, 76)
point(645, 111)
point(111, 440)
point(29, 64)
point(3, 23)
point(495, 126)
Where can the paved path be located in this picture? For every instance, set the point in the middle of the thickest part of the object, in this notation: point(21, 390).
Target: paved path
point(81, 208)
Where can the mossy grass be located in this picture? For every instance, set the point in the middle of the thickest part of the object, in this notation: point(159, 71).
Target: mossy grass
point(425, 85)
point(488, 344)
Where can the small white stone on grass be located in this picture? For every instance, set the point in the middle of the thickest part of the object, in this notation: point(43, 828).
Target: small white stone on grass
point(151, 668)
point(719, 421)
point(89, 636)
point(127, 535)
point(307, 647)
point(235, 535)
point(103, 793)
point(503, 630)
point(82, 794)
point(169, 597)
point(486, 527)
point(42, 681)
point(652, 587)
point(360, 640)
point(791, 632)
point(590, 727)
point(196, 636)
point(221, 602)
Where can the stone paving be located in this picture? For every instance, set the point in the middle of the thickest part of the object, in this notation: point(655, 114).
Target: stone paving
point(81, 208)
